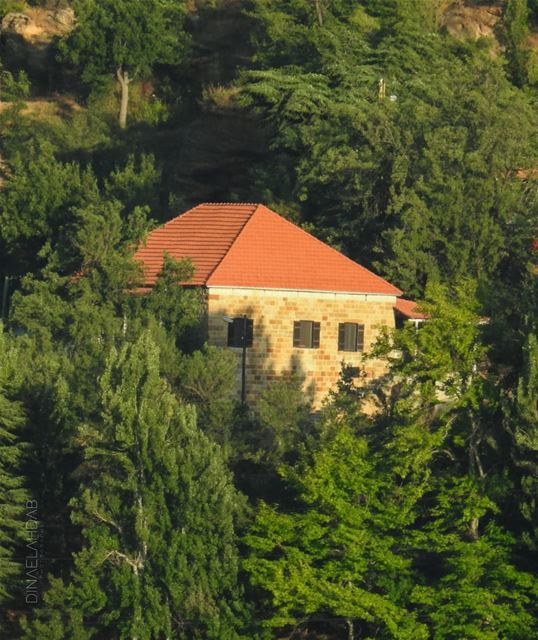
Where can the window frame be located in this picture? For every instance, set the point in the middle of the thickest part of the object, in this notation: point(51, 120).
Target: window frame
point(358, 338)
point(315, 333)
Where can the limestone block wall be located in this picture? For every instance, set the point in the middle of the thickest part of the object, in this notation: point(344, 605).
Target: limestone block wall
point(273, 353)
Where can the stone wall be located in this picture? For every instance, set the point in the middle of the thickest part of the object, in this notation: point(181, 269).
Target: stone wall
point(274, 312)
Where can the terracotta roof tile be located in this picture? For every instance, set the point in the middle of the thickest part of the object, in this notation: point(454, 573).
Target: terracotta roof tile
point(408, 308)
point(203, 234)
point(248, 245)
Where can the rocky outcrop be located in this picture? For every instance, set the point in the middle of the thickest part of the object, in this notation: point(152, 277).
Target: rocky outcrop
point(27, 38)
point(38, 24)
point(471, 21)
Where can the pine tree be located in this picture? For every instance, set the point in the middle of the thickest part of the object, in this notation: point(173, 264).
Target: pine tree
point(391, 176)
point(395, 528)
point(156, 507)
point(13, 484)
point(524, 426)
point(469, 583)
point(516, 20)
point(336, 558)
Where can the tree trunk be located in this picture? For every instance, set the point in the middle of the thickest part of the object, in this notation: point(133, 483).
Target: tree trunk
point(124, 80)
point(319, 12)
point(350, 630)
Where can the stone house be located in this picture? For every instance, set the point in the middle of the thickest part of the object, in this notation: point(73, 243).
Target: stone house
point(281, 299)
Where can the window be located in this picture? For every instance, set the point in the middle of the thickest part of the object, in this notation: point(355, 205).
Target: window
point(350, 336)
point(235, 332)
point(306, 334)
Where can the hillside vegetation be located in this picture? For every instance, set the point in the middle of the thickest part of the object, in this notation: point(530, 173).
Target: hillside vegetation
point(139, 499)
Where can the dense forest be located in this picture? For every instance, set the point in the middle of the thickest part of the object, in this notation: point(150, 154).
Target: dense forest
point(138, 499)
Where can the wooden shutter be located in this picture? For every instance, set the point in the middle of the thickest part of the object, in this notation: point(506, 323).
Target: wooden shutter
point(360, 337)
point(341, 336)
point(231, 334)
point(250, 331)
point(238, 332)
point(297, 333)
point(235, 332)
point(315, 335)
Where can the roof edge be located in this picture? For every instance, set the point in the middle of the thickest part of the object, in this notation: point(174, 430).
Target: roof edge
point(396, 291)
point(347, 293)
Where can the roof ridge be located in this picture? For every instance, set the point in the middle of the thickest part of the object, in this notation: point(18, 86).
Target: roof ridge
point(215, 268)
point(165, 224)
point(203, 204)
point(356, 264)
point(229, 204)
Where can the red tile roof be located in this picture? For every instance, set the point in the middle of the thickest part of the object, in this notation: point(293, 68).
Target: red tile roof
point(204, 234)
point(248, 245)
point(408, 308)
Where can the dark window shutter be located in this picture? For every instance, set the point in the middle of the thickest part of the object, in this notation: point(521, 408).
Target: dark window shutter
point(315, 335)
point(238, 332)
point(231, 334)
point(360, 337)
point(341, 336)
point(250, 332)
point(297, 333)
point(235, 332)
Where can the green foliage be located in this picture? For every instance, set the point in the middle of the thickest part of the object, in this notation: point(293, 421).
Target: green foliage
point(446, 355)
point(178, 309)
point(413, 176)
point(524, 425)
point(410, 150)
point(335, 556)
point(39, 196)
point(481, 594)
point(13, 87)
point(284, 419)
point(394, 524)
point(156, 507)
point(123, 34)
point(47, 203)
point(13, 483)
point(125, 38)
point(207, 379)
point(516, 19)
point(10, 6)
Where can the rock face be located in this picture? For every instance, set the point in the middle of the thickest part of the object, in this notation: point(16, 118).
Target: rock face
point(26, 38)
point(65, 18)
point(471, 21)
point(15, 23)
point(38, 24)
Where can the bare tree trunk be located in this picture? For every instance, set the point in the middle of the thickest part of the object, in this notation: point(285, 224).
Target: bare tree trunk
point(124, 80)
point(350, 630)
point(319, 11)
point(475, 469)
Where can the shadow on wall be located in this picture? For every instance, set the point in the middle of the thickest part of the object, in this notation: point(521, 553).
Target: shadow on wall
point(259, 364)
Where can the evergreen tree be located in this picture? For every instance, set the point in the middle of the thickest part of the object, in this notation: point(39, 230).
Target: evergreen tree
point(390, 157)
point(13, 484)
point(469, 583)
point(516, 20)
point(524, 426)
point(207, 380)
point(156, 506)
point(336, 557)
point(411, 494)
point(47, 200)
